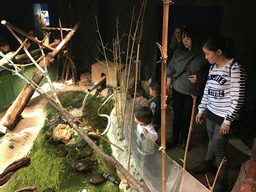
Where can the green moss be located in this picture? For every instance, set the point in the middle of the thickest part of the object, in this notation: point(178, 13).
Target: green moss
point(49, 171)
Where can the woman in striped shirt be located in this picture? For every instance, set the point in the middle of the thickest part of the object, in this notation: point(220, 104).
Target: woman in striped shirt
point(222, 100)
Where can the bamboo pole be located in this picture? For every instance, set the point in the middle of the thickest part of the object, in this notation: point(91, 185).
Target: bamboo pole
point(184, 160)
point(190, 131)
point(133, 105)
point(216, 176)
point(166, 5)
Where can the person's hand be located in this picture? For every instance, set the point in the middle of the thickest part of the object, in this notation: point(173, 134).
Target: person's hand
point(193, 78)
point(199, 118)
point(145, 131)
point(224, 129)
point(168, 90)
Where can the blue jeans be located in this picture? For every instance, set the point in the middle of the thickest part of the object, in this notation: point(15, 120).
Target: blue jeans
point(216, 146)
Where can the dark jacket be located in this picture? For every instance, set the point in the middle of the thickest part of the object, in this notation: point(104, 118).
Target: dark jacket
point(182, 65)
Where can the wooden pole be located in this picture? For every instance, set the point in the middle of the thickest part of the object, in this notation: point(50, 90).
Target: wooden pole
point(190, 130)
point(13, 114)
point(7, 24)
point(188, 140)
point(163, 50)
point(133, 105)
point(166, 5)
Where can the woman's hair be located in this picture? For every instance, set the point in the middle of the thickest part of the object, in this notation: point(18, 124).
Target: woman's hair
point(195, 33)
point(143, 114)
point(225, 44)
point(174, 43)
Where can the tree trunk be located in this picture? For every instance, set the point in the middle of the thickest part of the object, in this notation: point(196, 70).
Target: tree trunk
point(13, 114)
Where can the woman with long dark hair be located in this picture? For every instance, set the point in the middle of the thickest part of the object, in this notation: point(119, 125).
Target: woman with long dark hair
point(186, 61)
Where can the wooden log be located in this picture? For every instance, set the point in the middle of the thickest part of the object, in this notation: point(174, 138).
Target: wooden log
point(13, 114)
point(34, 53)
point(7, 24)
point(27, 189)
point(12, 168)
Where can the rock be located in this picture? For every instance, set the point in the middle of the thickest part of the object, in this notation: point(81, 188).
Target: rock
point(61, 150)
point(97, 178)
point(62, 133)
point(80, 142)
point(80, 153)
point(83, 165)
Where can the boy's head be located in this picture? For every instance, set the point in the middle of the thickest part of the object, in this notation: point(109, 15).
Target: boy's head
point(154, 89)
point(143, 115)
point(4, 46)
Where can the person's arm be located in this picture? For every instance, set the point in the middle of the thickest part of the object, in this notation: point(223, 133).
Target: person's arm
point(193, 78)
point(168, 81)
point(237, 92)
point(203, 105)
point(168, 85)
point(151, 134)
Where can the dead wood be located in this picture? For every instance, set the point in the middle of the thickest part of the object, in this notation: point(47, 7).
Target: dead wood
point(24, 57)
point(27, 189)
point(7, 24)
point(6, 178)
point(12, 168)
point(13, 114)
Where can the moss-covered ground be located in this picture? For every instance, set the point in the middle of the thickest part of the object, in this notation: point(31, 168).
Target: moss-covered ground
point(50, 171)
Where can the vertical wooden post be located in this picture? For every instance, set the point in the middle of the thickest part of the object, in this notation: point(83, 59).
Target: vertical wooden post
point(166, 4)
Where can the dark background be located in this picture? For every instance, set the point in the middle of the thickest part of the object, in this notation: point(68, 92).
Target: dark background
point(234, 18)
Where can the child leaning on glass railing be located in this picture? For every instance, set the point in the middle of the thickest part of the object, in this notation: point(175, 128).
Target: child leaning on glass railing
point(146, 133)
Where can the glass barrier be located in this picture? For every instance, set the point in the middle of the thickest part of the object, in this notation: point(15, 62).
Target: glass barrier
point(149, 163)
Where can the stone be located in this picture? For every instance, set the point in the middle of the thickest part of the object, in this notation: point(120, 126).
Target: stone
point(62, 133)
point(80, 142)
point(96, 178)
point(61, 150)
point(80, 153)
point(83, 165)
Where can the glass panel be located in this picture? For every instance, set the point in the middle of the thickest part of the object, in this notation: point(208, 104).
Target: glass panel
point(149, 164)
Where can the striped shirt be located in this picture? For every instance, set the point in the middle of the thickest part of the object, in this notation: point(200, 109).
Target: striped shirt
point(224, 91)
